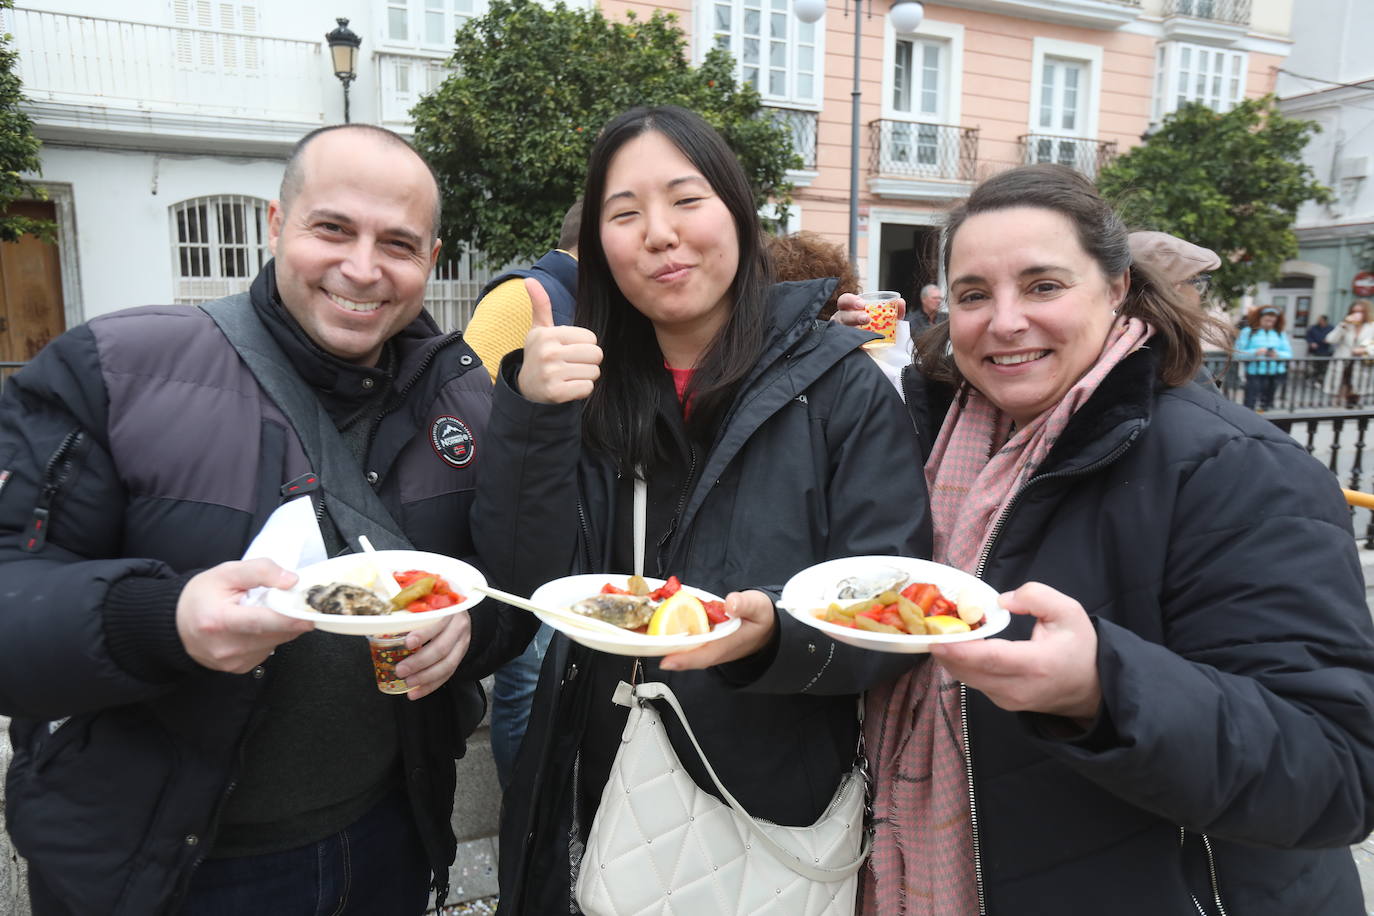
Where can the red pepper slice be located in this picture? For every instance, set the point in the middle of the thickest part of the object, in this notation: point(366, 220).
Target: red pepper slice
point(923, 595)
point(667, 590)
point(715, 611)
point(609, 589)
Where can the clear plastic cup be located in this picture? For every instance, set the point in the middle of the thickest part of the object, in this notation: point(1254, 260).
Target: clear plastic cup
point(388, 650)
point(882, 314)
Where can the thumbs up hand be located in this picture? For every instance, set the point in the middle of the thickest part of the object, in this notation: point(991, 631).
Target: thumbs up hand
point(561, 362)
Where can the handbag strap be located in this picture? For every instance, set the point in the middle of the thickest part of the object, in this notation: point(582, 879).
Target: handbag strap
point(350, 501)
point(626, 694)
point(641, 520)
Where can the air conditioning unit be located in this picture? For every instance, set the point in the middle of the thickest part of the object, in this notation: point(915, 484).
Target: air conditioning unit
point(1352, 168)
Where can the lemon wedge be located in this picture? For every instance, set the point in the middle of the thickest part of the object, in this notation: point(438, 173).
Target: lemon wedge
point(680, 614)
point(941, 624)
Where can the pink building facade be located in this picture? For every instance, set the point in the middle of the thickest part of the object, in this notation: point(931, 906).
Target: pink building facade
point(979, 86)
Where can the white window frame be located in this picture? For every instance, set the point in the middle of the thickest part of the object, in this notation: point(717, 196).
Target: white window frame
point(705, 20)
point(1076, 52)
point(951, 36)
point(217, 35)
point(421, 75)
point(216, 282)
point(1222, 92)
point(417, 35)
point(948, 39)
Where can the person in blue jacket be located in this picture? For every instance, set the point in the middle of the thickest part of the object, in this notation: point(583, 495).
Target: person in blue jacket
point(1263, 337)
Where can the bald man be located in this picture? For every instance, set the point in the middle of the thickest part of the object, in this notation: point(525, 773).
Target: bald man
point(177, 750)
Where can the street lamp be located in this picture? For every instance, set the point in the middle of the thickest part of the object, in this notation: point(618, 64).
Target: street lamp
point(343, 48)
point(906, 16)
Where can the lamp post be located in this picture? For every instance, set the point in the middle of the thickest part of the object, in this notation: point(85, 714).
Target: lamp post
point(343, 48)
point(906, 16)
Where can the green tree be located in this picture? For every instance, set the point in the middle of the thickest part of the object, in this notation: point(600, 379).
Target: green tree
point(509, 132)
point(1231, 182)
point(18, 149)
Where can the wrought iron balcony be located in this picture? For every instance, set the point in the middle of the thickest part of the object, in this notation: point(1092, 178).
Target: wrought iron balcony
point(802, 126)
point(1235, 12)
point(1083, 155)
point(909, 149)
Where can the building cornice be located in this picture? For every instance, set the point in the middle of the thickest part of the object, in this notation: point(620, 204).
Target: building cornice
point(1092, 14)
point(1203, 31)
point(1333, 232)
point(919, 189)
point(64, 122)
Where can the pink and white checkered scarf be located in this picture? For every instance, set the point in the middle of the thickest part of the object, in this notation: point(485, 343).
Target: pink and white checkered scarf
point(922, 861)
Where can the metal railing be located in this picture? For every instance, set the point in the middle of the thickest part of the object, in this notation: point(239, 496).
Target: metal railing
point(910, 149)
point(802, 126)
point(1078, 153)
point(1236, 12)
point(1311, 383)
point(115, 63)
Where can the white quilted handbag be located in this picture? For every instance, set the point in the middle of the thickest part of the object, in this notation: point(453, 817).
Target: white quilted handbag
point(660, 845)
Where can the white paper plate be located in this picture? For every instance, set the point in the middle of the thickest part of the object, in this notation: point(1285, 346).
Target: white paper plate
point(460, 576)
point(569, 589)
point(810, 591)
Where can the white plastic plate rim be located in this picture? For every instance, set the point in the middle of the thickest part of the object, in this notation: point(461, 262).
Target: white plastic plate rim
point(808, 592)
point(461, 576)
point(563, 592)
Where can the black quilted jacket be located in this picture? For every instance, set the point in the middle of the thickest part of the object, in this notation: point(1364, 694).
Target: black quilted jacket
point(139, 445)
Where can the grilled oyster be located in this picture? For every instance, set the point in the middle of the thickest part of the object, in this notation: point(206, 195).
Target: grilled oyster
point(870, 584)
point(628, 611)
point(347, 599)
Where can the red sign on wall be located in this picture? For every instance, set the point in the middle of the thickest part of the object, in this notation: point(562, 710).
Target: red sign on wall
point(1363, 284)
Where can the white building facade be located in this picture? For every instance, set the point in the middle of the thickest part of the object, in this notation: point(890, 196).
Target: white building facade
point(1329, 79)
point(165, 131)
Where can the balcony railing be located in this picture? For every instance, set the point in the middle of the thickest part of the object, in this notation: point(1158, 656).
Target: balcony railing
point(802, 127)
point(908, 149)
point(1235, 12)
point(1083, 155)
point(117, 64)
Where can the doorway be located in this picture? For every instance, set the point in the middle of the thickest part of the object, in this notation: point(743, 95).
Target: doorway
point(909, 259)
point(31, 306)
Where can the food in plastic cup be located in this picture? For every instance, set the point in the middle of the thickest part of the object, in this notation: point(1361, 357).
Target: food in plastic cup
point(882, 314)
point(388, 650)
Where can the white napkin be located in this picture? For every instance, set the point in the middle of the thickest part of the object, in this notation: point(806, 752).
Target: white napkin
point(291, 538)
point(892, 360)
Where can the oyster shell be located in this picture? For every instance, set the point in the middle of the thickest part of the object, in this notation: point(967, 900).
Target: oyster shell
point(870, 584)
point(345, 598)
point(628, 611)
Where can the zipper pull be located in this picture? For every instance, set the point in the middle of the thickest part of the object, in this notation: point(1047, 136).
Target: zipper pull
point(37, 534)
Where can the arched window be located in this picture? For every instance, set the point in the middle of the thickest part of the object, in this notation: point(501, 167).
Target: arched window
point(220, 244)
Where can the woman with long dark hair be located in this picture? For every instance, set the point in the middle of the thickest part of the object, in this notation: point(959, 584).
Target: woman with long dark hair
point(768, 442)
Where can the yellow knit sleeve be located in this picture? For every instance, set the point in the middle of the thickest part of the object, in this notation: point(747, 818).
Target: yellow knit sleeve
point(499, 323)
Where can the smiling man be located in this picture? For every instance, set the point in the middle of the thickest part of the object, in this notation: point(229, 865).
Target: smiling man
point(216, 757)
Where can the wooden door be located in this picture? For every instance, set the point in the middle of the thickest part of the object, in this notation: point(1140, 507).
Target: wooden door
point(31, 312)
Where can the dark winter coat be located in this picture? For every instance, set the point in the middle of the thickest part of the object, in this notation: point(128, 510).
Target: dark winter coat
point(1236, 746)
point(801, 471)
point(146, 449)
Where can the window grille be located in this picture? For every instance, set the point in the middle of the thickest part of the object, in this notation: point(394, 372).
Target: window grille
point(219, 245)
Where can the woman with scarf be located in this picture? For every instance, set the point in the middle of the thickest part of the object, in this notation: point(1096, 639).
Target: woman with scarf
point(1178, 718)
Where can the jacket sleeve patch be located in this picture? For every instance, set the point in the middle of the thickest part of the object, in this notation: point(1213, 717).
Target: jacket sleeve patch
point(453, 441)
